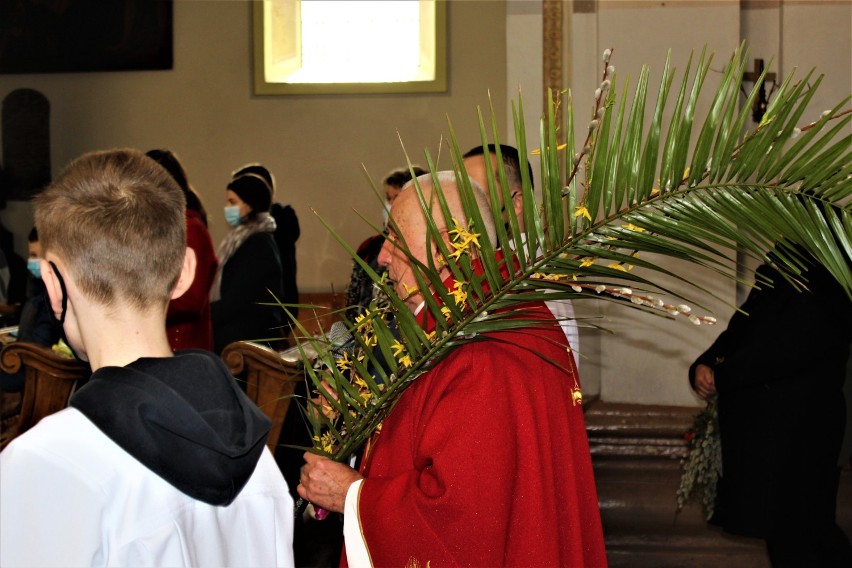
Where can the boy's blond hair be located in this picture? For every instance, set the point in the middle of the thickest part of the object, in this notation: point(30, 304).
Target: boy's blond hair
point(116, 218)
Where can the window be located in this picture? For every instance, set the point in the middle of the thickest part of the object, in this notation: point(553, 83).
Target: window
point(345, 46)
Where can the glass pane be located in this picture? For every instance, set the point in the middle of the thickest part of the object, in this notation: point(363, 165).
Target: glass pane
point(355, 42)
point(349, 46)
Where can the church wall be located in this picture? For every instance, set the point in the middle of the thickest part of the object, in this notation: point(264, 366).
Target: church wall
point(204, 110)
point(645, 359)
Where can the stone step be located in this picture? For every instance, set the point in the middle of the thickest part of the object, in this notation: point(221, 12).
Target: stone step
point(636, 453)
point(676, 553)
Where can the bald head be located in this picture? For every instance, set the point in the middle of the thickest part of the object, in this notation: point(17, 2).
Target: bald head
point(447, 181)
point(410, 221)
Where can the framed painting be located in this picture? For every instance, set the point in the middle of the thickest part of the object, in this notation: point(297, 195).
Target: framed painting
point(85, 35)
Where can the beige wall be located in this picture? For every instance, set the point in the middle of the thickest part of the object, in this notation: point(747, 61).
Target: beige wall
point(205, 111)
point(645, 359)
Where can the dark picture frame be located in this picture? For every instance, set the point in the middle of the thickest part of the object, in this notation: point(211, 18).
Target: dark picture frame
point(85, 35)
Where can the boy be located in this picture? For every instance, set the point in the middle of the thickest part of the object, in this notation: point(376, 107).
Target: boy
point(160, 458)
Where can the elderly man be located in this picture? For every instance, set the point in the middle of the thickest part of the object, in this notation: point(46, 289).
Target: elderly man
point(484, 460)
point(477, 165)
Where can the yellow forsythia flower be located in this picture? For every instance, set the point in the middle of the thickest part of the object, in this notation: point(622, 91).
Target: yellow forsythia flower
point(363, 389)
point(461, 239)
point(408, 291)
point(326, 442)
point(344, 362)
point(458, 292)
point(363, 321)
point(397, 348)
point(370, 340)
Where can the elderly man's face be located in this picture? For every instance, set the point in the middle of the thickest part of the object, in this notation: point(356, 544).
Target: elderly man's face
point(409, 219)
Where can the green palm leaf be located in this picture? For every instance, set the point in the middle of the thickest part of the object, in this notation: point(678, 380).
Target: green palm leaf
point(630, 192)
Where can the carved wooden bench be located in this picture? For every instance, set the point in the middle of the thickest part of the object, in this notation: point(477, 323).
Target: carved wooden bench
point(50, 381)
point(269, 380)
point(326, 311)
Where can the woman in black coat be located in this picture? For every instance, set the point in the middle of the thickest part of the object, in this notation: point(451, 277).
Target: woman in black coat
point(250, 273)
point(778, 373)
point(286, 234)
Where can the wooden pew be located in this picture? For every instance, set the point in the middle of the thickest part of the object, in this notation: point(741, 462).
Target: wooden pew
point(269, 380)
point(319, 318)
point(50, 381)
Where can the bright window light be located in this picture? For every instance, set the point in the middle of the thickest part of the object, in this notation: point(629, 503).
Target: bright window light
point(360, 42)
point(348, 45)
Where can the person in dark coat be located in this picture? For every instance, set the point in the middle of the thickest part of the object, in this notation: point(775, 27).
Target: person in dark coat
point(250, 275)
point(16, 283)
point(287, 232)
point(779, 374)
point(36, 324)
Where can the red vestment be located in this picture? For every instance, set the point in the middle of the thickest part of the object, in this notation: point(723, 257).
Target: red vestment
point(484, 461)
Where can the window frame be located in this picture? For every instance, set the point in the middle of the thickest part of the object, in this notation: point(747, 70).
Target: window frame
point(263, 87)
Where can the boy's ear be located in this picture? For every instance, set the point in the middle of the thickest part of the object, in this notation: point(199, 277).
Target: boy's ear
point(187, 274)
point(51, 284)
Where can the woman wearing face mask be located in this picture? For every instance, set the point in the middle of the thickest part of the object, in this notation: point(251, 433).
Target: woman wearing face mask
point(250, 271)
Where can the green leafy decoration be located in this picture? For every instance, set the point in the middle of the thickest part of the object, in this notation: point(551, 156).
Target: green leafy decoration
point(702, 465)
point(628, 192)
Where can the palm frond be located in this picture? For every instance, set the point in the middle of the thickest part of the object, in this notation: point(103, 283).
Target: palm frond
point(695, 191)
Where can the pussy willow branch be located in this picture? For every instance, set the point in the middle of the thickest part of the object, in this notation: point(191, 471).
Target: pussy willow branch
point(597, 115)
point(833, 117)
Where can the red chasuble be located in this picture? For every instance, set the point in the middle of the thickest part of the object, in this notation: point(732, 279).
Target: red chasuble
point(484, 461)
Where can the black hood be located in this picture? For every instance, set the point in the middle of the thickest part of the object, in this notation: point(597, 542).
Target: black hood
point(183, 417)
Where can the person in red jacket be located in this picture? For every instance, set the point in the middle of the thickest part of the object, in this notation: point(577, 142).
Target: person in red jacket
point(484, 460)
point(188, 320)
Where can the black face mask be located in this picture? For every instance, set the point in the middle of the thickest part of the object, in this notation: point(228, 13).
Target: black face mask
point(60, 321)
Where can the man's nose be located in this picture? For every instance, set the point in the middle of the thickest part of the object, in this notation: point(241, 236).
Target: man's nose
point(384, 255)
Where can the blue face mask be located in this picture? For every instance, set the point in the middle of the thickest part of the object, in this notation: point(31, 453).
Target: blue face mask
point(34, 266)
point(232, 215)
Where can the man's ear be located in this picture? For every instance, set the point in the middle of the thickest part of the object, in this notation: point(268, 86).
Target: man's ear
point(187, 274)
point(54, 289)
point(518, 203)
